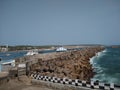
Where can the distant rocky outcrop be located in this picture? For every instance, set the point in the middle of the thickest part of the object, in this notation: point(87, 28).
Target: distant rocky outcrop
point(115, 46)
point(72, 64)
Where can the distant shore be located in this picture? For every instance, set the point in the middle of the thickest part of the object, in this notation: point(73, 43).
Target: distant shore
point(29, 47)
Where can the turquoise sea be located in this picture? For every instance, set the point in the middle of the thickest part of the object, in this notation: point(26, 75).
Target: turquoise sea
point(106, 64)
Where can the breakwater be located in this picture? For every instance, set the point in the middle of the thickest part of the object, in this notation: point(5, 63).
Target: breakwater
point(72, 64)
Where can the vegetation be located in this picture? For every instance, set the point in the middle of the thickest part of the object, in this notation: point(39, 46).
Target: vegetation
point(29, 47)
point(26, 47)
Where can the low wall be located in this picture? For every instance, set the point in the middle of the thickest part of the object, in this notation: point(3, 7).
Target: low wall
point(4, 80)
point(4, 77)
point(36, 79)
point(6, 68)
point(57, 86)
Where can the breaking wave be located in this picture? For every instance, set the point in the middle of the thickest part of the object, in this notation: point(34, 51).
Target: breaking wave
point(106, 64)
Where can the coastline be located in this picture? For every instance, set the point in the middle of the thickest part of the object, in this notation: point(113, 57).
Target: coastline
point(106, 65)
point(92, 63)
point(72, 64)
point(97, 54)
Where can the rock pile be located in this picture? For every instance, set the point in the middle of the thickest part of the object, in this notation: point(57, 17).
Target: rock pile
point(72, 64)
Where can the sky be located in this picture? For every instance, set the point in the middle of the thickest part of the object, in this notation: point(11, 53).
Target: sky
point(61, 22)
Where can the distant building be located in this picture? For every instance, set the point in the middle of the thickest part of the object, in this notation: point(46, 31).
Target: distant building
point(3, 48)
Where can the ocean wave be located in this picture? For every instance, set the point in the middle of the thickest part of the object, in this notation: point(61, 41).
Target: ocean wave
point(105, 78)
point(94, 58)
point(104, 51)
point(105, 65)
point(101, 54)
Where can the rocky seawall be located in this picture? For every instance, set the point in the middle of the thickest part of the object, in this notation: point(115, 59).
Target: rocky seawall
point(72, 64)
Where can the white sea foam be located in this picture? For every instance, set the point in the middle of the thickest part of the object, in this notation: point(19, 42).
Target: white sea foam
point(104, 71)
point(100, 54)
point(92, 60)
point(97, 68)
point(104, 51)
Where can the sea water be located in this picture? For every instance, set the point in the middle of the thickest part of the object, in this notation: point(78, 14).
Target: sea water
point(106, 64)
point(10, 56)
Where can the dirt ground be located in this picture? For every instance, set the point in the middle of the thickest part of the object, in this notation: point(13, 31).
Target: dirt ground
point(21, 83)
point(24, 83)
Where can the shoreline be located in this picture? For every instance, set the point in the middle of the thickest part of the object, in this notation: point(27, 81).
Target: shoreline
point(74, 64)
point(105, 71)
point(92, 63)
point(71, 64)
point(91, 59)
